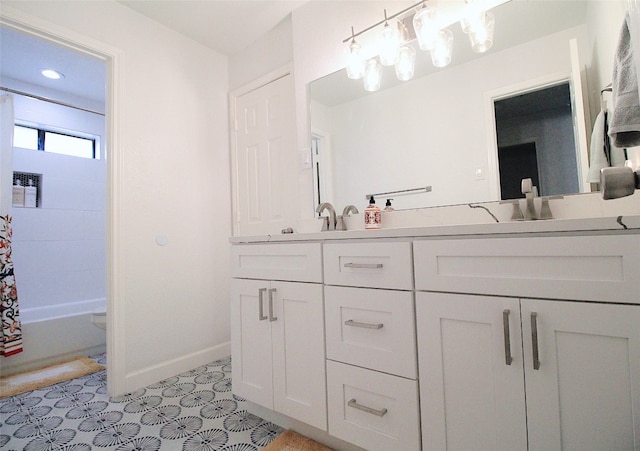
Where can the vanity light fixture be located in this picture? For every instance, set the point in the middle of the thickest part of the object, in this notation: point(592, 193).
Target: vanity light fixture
point(482, 38)
point(388, 43)
point(372, 75)
point(406, 65)
point(52, 74)
point(431, 33)
point(441, 53)
point(355, 60)
point(426, 28)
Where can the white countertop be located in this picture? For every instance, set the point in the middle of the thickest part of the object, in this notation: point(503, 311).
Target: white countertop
point(602, 225)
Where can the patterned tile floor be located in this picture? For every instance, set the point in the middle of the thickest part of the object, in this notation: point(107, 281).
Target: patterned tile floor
point(192, 411)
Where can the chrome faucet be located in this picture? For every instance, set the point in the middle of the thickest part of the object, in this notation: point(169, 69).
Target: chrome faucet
point(530, 193)
point(330, 221)
point(350, 209)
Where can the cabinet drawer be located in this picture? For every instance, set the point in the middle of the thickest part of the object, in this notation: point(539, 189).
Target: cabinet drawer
point(591, 268)
point(373, 410)
point(374, 265)
point(298, 262)
point(371, 328)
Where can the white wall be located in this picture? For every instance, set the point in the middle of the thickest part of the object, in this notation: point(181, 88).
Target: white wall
point(173, 180)
point(59, 247)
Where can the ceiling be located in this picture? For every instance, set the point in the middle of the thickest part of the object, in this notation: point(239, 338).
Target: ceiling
point(225, 26)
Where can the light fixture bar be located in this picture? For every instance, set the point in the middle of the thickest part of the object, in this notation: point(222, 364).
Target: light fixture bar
point(386, 19)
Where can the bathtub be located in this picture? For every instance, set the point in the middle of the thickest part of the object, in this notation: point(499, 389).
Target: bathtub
point(53, 334)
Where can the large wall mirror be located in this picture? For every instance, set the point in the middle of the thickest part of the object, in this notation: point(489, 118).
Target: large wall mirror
point(523, 109)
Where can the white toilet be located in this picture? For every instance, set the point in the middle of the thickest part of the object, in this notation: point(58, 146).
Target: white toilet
point(99, 319)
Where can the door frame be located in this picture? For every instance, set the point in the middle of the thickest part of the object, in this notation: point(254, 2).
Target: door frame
point(270, 77)
point(113, 58)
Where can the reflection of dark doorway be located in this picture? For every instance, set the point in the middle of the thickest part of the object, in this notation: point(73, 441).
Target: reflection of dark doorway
point(544, 116)
point(516, 163)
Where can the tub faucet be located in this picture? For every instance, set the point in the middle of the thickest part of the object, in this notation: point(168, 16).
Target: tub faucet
point(330, 221)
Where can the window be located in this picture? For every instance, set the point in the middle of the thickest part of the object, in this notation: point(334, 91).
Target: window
point(55, 142)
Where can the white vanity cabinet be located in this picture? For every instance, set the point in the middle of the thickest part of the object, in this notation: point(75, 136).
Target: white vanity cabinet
point(277, 329)
point(372, 384)
point(518, 373)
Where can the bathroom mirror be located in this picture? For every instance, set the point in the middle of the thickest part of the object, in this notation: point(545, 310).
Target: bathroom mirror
point(439, 129)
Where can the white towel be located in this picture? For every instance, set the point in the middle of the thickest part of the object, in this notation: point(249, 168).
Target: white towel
point(597, 157)
point(625, 123)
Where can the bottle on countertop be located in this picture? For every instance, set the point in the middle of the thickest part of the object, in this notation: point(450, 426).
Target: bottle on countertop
point(30, 195)
point(18, 194)
point(388, 206)
point(372, 216)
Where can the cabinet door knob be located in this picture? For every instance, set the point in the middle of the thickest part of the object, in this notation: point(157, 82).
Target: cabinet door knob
point(507, 337)
point(353, 323)
point(261, 315)
point(271, 317)
point(534, 340)
point(379, 413)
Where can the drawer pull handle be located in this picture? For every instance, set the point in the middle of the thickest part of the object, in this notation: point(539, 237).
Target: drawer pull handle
point(507, 337)
point(261, 315)
point(379, 413)
point(271, 317)
point(534, 341)
point(363, 265)
point(353, 323)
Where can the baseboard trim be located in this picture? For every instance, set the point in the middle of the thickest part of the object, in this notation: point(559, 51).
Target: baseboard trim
point(142, 378)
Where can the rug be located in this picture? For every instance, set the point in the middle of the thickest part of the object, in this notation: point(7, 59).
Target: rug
point(292, 441)
point(44, 377)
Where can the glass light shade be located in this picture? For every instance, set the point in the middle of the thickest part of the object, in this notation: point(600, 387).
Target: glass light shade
point(482, 38)
point(372, 75)
point(389, 45)
point(406, 65)
point(473, 21)
point(441, 53)
point(426, 30)
point(355, 61)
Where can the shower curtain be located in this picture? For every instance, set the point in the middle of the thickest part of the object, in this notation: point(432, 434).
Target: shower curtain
point(10, 327)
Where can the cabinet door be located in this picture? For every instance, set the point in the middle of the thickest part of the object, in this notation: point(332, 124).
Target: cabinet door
point(471, 392)
point(299, 382)
point(251, 342)
point(585, 392)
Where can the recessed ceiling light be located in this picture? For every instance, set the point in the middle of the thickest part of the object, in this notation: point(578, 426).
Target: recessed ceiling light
point(50, 73)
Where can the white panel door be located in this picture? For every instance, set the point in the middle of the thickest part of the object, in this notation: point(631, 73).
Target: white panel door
point(251, 342)
point(471, 377)
point(264, 160)
point(299, 382)
point(585, 392)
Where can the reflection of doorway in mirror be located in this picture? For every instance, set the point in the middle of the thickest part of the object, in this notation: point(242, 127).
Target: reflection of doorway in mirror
point(322, 173)
point(516, 163)
point(544, 118)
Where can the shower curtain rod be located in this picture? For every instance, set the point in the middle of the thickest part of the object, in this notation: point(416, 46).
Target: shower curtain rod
point(45, 99)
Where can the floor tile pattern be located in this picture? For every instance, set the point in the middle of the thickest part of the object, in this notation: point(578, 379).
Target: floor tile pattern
point(194, 411)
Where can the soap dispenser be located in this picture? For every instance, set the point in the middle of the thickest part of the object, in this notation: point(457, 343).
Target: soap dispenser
point(372, 216)
point(18, 194)
point(388, 206)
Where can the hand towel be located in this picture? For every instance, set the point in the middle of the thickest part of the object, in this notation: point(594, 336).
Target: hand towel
point(597, 156)
point(625, 123)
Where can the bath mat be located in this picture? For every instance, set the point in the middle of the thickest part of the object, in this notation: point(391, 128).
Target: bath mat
point(44, 377)
point(292, 441)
